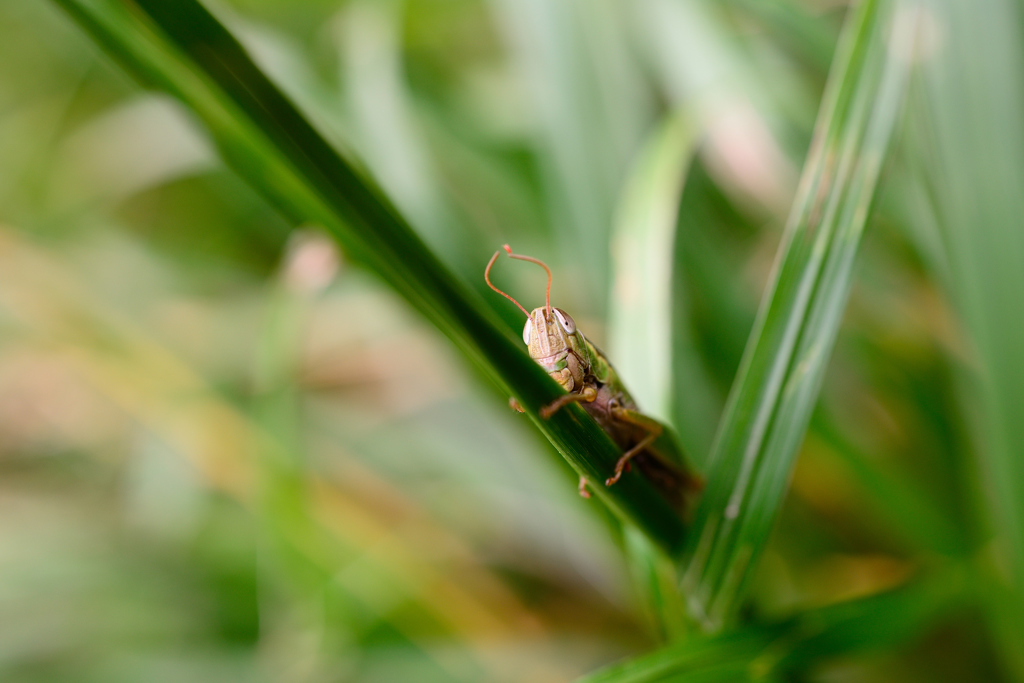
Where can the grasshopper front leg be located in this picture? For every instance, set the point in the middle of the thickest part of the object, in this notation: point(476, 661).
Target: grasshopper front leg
point(588, 395)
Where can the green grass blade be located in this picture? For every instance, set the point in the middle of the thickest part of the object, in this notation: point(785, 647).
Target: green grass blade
point(971, 118)
point(656, 581)
point(641, 339)
point(779, 378)
point(758, 652)
point(181, 48)
point(650, 334)
point(642, 248)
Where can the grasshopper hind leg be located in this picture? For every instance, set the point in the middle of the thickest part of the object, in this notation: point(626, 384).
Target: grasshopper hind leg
point(622, 465)
point(637, 419)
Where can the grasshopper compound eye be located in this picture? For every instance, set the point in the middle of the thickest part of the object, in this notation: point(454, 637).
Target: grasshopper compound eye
point(567, 323)
point(528, 331)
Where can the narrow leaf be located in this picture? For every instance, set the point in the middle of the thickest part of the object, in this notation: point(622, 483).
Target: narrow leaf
point(779, 378)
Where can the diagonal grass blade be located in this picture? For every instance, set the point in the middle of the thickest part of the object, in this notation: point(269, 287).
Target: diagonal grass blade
point(780, 375)
point(181, 48)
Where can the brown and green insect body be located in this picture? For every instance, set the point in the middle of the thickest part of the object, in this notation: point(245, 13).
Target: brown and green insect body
point(558, 346)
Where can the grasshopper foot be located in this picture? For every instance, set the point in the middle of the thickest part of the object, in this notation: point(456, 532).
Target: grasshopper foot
point(514, 405)
point(622, 467)
point(623, 463)
point(583, 488)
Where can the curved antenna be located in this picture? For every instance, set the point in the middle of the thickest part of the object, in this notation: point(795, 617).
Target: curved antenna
point(487, 279)
point(547, 295)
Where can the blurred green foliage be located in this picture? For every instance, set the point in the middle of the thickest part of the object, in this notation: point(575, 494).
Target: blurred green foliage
point(228, 454)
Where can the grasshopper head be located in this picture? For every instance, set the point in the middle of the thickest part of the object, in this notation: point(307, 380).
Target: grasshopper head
point(549, 335)
point(556, 345)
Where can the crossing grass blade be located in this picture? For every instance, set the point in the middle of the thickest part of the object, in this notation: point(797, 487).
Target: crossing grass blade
point(779, 378)
point(179, 47)
point(764, 651)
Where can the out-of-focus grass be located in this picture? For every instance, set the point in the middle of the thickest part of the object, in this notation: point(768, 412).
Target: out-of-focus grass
point(369, 549)
point(224, 458)
point(972, 165)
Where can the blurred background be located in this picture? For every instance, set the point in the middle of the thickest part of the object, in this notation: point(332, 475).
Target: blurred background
point(226, 454)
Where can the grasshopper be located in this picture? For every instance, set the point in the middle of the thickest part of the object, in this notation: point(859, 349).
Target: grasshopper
point(580, 368)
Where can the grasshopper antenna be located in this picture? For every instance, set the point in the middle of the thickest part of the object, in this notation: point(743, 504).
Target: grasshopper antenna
point(487, 279)
point(547, 295)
